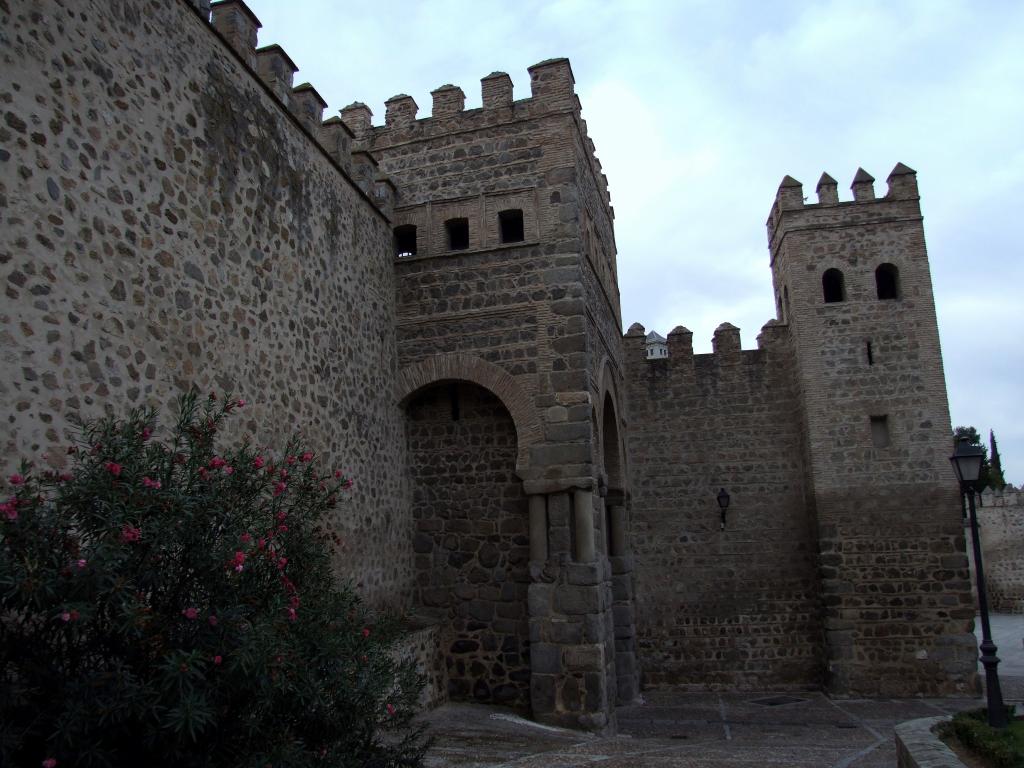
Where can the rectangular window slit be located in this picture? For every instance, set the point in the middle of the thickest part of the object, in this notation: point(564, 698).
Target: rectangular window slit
point(880, 431)
point(871, 357)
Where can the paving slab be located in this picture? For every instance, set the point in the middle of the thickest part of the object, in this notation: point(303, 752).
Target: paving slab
point(712, 730)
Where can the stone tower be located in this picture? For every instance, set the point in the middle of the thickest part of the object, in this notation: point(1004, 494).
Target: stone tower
point(852, 282)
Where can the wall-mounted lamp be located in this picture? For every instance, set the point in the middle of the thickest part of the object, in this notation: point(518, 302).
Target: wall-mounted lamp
point(723, 504)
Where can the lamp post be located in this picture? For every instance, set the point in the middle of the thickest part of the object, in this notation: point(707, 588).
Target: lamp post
point(723, 504)
point(966, 461)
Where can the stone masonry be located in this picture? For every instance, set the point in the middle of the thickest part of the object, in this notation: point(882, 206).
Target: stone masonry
point(434, 303)
point(1001, 524)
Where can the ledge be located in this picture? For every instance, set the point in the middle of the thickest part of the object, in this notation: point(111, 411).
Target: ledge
point(917, 746)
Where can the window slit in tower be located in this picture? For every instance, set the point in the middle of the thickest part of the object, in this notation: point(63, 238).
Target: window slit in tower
point(871, 357)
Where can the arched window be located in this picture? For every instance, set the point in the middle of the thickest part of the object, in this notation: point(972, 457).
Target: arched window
point(405, 240)
point(832, 286)
point(887, 280)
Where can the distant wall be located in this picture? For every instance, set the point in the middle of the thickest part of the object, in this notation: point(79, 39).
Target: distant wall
point(1001, 522)
point(732, 608)
point(163, 224)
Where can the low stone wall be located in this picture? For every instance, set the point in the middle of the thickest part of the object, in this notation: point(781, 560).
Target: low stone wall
point(426, 645)
point(917, 746)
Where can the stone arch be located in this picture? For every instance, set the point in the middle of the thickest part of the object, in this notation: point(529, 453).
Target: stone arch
point(463, 367)
point(608, 393)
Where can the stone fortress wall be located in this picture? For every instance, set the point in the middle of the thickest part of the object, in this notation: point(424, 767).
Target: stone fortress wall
point(434, 302)
point(164, 224)
point(1001, 522)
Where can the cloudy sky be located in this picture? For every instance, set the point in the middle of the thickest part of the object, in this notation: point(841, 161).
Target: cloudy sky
point(698, 109)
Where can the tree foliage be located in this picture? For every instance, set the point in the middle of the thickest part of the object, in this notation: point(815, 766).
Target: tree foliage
point(162, 604)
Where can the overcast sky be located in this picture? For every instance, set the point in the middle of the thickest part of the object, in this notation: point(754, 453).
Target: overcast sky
point(699, 108)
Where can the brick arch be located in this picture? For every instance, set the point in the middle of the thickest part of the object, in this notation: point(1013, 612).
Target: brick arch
point(461, 367)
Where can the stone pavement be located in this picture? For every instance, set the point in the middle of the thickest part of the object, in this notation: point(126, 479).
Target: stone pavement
point(694, 730)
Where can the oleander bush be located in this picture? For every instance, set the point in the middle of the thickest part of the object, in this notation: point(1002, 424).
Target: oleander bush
point(166, 604)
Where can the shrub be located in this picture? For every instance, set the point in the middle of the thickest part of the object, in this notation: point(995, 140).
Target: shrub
point(163, 604)
point(996, 747)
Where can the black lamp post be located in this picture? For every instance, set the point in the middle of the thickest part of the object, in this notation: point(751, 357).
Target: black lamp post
point(723, 504)
point(966, 461)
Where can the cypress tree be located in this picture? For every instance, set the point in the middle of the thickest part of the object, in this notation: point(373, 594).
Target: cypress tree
point(996, 479)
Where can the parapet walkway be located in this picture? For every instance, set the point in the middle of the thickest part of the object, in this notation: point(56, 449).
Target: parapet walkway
point(711, 730)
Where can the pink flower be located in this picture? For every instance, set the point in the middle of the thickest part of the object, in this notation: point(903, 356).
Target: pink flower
point(129, 533)
point(150, 483)
point(307, 456)
point(66, 477)
point(113, 468)
point(240, 403)
point(239, 558)
point(391, 708)
point(291, 614)
point(217, 462)
point(147, 433)
point(290, 460)
point(203, 473)
point(366, 631)
point(50, 762)
point(282, 528)
point(16, 479)
point(337, 473)
point(190, 613)
point(258, 462)
point(229, 470)
point(282, 563)
point(246, 538)
point(10, 509)
point(66, 616)
point(81, 563)
point(281, 515)
point(347, 484)
point(280, 488)
point(218, 659)
point(212, 620)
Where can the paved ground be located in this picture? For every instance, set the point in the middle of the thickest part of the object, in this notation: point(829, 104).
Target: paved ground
point(698, 730)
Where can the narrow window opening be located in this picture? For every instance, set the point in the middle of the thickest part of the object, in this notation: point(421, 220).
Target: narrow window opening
point(458, 234)
point(832, 286)
point(785, 303)
point(453, 394)
point(405, 240)
point(871, 357)
point(511, 225)
point(887, 281)
point(880, 431)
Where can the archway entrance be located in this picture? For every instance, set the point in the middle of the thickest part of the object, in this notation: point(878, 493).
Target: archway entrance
point(472, 538)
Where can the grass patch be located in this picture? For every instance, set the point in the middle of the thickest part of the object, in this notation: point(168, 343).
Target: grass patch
point(996, 748)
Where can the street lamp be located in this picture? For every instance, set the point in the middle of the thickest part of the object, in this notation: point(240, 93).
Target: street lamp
point(966, 461)
point(723, 504)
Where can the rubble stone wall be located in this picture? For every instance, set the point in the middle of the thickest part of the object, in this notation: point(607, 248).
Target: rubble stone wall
point(734, 607)
point(164, 224)
point(1001, 522)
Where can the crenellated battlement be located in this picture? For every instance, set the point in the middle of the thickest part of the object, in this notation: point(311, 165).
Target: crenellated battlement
point(239, 27)
point(790, 199)
point(552, 92)
point(681, 362)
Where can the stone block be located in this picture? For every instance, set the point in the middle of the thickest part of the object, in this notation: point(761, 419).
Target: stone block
point(584, 657)
point(545, 658)
point(576, 600)
point(542, 693)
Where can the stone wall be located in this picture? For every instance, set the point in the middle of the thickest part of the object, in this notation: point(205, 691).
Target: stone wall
point(166, 223)
point(1001, 522)
point(734, 607)
point(471, 539)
